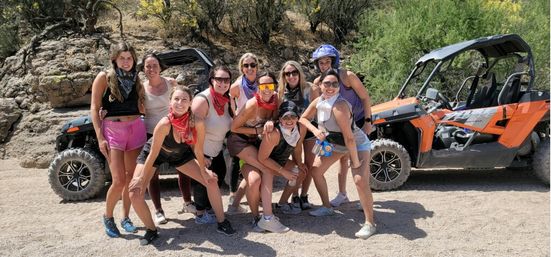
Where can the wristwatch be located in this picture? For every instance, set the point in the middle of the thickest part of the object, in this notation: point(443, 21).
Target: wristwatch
point(368, 119)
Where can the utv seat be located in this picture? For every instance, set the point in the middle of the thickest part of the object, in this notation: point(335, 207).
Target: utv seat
point(485, 93)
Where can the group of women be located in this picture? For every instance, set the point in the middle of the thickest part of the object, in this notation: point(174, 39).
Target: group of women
point(261, 119)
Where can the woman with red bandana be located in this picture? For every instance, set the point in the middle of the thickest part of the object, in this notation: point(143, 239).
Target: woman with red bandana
point(247, 126)
point(212, 106)
point(172, 142)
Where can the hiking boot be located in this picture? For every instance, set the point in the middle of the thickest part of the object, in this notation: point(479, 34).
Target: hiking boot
point(297, 202)
point(288, 208)
point(225, 228)
point(366, 231)
point(272, 225)
point(160, 218)
point(304, 203)
point(236, 210)
point(339, 199)
point(189, 207)
point(322, 211)
point(128, 226)
point(205, 218)
point(256, 228)
point(149, 236)
point(110, 227)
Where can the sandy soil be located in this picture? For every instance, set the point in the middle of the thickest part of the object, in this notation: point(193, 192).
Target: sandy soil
point(437, 213)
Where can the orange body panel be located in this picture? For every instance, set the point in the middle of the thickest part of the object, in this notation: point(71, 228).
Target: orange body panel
point(393, 104)
point(427, 126)
point(523, 120)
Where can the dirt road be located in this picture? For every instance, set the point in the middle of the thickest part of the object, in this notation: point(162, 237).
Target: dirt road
point(437, 213)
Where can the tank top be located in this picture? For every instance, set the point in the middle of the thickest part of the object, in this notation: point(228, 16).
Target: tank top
point(282, 150)
point(301, 100)
point(332, 126)
point(172, 148)
point(350, 95)
point(216, 127)
point(129, 106)
point(156, 107)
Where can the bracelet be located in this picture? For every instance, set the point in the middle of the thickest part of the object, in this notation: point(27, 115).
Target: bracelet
point(368, 119)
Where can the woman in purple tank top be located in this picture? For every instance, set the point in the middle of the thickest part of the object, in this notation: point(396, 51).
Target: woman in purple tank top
point(353, 90)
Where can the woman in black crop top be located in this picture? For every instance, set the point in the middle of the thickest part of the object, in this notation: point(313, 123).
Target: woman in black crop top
point(173, 140)
point(274, 152)
point(116, 106)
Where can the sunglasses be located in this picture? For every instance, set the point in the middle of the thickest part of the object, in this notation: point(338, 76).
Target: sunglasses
point(222, 80)
point(251, 65)
point(289, 117)
point(270, 86)
point(334, 84)
point(291, 73)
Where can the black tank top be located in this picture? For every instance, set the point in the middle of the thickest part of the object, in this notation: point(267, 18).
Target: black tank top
point(116, 108)
point(171, 147)
point(282, 150)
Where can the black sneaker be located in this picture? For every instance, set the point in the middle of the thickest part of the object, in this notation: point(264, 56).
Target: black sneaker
point(225, 228)
point(149, 236)
point(304, 204)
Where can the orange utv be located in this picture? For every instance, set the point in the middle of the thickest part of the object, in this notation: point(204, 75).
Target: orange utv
point(470, 105)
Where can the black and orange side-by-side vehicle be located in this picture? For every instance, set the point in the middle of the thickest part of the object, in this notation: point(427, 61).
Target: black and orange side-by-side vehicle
point(469, 105)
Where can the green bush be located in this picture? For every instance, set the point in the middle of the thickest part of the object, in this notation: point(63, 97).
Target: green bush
point(393, 37)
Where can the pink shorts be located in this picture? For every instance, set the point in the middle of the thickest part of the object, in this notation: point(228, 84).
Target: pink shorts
point(124, 135)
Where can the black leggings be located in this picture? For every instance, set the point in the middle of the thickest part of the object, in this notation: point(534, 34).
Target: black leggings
point(218, 166)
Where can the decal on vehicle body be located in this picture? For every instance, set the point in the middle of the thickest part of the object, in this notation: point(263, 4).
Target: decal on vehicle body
point(478, 118)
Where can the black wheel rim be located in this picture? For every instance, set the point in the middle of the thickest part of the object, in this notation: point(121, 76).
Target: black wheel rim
point(74, 176)
point(385, 166)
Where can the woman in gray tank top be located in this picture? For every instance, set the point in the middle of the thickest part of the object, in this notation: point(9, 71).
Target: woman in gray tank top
point(336, 125)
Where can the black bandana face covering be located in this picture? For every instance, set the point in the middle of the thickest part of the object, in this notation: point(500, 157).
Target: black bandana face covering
point(126, 81)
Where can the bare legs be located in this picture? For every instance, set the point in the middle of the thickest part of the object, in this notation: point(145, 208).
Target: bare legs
point(122, 165)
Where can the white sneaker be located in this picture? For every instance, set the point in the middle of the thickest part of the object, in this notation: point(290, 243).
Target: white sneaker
point(189, 207)
point(339, 199)
point(236, 210)
point(272, 225)
point(366, 231)
point(160, 218)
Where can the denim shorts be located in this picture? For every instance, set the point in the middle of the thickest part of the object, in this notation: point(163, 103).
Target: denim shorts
point(124, 135)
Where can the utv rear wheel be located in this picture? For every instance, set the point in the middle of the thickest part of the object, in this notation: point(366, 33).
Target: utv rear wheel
point(76, 174)
point(540, 162)
point(390, 165)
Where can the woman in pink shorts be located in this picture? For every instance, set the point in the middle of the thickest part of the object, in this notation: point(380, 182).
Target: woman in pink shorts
point(116, 109)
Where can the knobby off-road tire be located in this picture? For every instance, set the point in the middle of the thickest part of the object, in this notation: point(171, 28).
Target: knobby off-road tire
point(540, 162)
point(76, 174)
point(390, 165)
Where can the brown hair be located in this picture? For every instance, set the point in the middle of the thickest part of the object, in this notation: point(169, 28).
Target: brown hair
point(182, 88)
point(112, 81)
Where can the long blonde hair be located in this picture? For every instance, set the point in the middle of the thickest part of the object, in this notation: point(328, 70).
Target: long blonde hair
point(283, 81)
point(112, 81)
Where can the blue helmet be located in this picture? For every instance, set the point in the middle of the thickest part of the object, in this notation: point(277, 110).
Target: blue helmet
point(327, 51)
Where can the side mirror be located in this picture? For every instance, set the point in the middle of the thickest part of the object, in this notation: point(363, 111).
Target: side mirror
point(432, 94)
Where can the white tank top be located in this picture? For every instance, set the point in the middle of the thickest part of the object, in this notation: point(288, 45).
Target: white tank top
point(216, 127)
point(242, 99)
point(156, 107)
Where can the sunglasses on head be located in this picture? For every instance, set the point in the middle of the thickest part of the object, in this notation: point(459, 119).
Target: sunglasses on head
point(334, 84)
point(270, 86)
point(222, 80)
point(289, 117)
point(251, 65)
point(291, 73)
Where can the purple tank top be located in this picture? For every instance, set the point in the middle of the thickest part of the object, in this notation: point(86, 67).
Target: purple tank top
point(350, 95)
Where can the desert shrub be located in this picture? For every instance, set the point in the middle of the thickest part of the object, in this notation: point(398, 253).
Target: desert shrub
point(259, 18)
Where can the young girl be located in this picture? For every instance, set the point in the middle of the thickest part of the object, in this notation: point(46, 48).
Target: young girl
point(336, 124)
point(117, 104)
point(172, 142)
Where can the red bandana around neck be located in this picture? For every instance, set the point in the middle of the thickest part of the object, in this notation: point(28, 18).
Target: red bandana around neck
point(181, 124)
point(219, 101)
point(270, 105)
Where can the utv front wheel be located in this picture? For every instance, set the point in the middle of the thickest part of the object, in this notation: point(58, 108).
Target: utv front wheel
point(76, 174)
point(540, 162)
point(390, 165)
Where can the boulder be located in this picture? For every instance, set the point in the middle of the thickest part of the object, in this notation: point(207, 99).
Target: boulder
point(9, 114)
